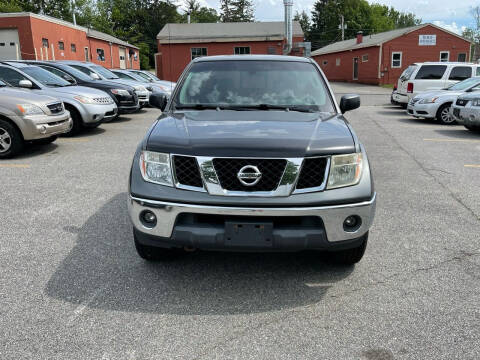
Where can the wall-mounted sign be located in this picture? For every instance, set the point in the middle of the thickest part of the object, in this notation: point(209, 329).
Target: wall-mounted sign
point(427, 40)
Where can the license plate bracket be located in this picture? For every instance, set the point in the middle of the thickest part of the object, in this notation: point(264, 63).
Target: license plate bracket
point(248, 234)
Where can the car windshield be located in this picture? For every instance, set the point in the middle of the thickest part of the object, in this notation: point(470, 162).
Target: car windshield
point(143, 75)
point(254, 83)
point(125, 76)
point(104, 72)
point(45, 77)
point(75, 73)
point(2, 84)
point(465, 84)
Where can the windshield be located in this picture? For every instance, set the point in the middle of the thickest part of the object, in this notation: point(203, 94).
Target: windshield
point(145, 76)
point(465, 84)
point(125, 76)
point(2, 84)
point(254, 83)
point(45, 77)
point(104, 72)
point(75, 73)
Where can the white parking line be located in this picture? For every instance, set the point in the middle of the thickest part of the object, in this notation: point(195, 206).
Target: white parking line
point(472, 166)
point(15, 165)
point(80, 308)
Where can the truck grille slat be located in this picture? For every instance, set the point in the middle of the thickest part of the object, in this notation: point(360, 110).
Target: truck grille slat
point(56, 108)
point(187, 171)
point(313, 173)
point(227, 170)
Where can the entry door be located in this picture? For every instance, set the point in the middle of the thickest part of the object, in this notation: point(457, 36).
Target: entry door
point(122, 58)
point(86, 54)
point(8, 44)
point(355, 68)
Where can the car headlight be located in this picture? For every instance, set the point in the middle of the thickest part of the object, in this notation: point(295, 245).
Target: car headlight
point(429, 100)
point(475, 102)
point(84, 99)
point(140, 88)
point(345, 170)
point(121, 92)
point(30, 109)
point(155, 168)
point(149, 88)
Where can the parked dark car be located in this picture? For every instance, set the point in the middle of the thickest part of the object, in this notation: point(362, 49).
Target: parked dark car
point(252, 153)
point(123, 95)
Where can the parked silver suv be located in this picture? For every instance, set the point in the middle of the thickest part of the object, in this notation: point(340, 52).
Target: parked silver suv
point(26, 117)
point(88, 107)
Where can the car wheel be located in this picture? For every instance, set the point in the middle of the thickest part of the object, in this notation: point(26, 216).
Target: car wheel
point(350, 256)
point(443, 115)
point(45, 141)
point(151, 253)
point(473, 128)
point(11, 140)
point(76, 120)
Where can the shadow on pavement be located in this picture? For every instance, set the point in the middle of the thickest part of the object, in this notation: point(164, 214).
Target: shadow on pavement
point(459, 133)
point(103, 271)
point(33, 150)
point(411, 120)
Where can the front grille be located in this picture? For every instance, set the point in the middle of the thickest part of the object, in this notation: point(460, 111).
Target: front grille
point(271, 169)
point(55, 108)
point(187, 171)
point(312, 173)
point(461, 102)
point(103, 100)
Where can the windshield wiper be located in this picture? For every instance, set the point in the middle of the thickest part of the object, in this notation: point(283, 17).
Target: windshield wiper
point(54, 85)
point(299, 108)
point(197, 106)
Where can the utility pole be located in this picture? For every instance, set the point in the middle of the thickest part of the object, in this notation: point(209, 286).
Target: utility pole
point(73, 13)
point(342, 26)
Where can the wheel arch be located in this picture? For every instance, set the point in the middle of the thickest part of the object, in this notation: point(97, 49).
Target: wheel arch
point(10, 121)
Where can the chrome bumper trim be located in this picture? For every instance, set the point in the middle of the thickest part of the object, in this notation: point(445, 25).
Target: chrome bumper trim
point(332, 215)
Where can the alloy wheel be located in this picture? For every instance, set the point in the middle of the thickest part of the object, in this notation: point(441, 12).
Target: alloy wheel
point(5, 140)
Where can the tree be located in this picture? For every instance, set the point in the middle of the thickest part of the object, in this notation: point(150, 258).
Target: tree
point(10, 6)
point(473, 34)
point(198, 13)
point(236, 11)
point(304, 21)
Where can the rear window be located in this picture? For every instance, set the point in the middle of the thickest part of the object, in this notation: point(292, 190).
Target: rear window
point(407, 73)
point(431, 72)
point(461, 73)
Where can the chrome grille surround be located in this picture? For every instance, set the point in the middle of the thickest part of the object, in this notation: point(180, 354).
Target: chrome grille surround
point(103, 100)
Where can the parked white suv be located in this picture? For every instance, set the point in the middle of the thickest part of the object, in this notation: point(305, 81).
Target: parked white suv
point(421, 77)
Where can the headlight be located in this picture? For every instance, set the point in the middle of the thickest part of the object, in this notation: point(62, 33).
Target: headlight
point(345, 170)
point(30, 109)
point(121, 92)
point(155, 168)
point(149, 88)
point(84, 99)
point(428, 100)
point(140, 88)
point(475, 102)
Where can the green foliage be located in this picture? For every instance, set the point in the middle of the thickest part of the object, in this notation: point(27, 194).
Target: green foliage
point(359, 15)
point(10, 6)
point(304, 21)
point(236, 11)
point(198, 13)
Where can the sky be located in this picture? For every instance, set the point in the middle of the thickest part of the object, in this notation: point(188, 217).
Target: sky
point(452, 15)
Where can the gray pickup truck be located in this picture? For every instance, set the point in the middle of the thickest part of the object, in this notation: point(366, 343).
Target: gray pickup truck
point(252, 153)
point(26, 117)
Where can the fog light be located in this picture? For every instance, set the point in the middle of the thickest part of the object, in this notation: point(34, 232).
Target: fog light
point(352, 223)
point(43, 129)
point(148, 218)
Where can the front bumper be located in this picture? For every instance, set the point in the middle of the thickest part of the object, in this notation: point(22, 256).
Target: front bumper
point(93, 114)
point(466, 115)
point(427, 111)
point(170, 232)
point(399, 98)
point(36, 127)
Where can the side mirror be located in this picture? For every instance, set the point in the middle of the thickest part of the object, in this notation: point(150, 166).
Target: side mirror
point(95, 76)
point(69, 79)
point(25, 84)
point(158, 100)
point(349, 102)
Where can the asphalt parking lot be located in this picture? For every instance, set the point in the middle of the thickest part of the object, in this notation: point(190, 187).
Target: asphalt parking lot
point(72, 286)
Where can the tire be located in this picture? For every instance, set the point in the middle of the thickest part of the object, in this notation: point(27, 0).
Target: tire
point(473, 128)
point(151, 253)
point(443, 115)
point(350, 256)
point(76, 120)
point(11, 140)
point(45, 141)
point(403, 105)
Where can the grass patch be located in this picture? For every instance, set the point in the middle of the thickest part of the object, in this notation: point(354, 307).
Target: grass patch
point(387, 86)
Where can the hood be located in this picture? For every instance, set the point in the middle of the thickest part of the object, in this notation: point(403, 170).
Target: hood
point(112, 84)
point(14, 96)
point(79, 90)
point(470, 95)
point(433, 93)
point(127, 82)
point(251, 134)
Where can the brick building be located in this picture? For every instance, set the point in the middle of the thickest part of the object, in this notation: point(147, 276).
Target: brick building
point(178, 44)
point(381, 58)
point(30, 36)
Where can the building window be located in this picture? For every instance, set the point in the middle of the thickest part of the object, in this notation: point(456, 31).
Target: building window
point(271, 50)
point(73, 47)
point(100, 55)
point(365, 58)
point(45, 43)
point(198, 52)
point(12, 44)
point(397, 59)
point(242, 50)
point(2, 44)
point(337, 62)
point(324, 62)
point(462, 57)
point(478, 71)
point(61, 45)
point(444, 56)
